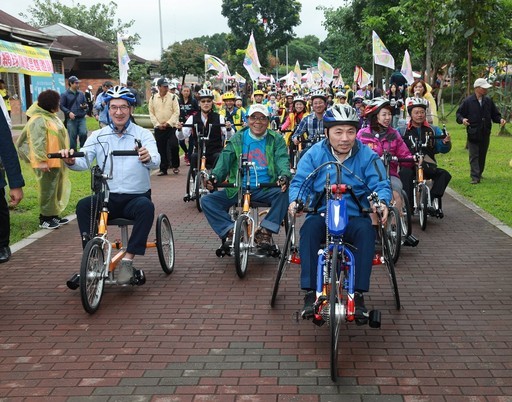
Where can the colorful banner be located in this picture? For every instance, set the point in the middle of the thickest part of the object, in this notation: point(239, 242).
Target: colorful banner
point(407, 68)
point(361, 77)
point(16, 58)
point(123, 59)
point(239, 78)
point(214, 63)
point(251, 61)
point(381, 55)
point(326, 70)
point(296, 71)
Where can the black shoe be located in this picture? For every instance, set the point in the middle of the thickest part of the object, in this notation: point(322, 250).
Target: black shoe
point(440, 213)
point(361, 313)
point(308, 310)
point(411, 241)
point(5, 254)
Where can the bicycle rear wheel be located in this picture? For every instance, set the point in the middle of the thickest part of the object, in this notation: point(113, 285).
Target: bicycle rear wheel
point(284, 261)
point(390, 265)
point(335, 310)
point(405, 217)
point(165, 243)
point(200, 189)
point(394, 233)
point(241, 245)
point(92, 275)
point(423, 197)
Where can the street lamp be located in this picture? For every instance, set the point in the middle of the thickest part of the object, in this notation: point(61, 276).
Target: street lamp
point(161, 34)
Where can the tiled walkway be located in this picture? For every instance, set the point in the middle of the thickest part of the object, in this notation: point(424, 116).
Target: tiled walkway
point(202, 334)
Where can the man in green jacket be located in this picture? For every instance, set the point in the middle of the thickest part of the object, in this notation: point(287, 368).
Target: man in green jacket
point(267, 150)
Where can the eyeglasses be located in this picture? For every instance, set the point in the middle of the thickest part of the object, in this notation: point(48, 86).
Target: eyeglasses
point(254, 118)
point(207, 100)
point(122, 108)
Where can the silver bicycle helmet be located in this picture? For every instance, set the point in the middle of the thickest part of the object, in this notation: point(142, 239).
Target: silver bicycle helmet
point(318, 94)
point(373, 106)
point(299, 99)
point(416, 102)
point(205, 93)
point(341, 114)
point(119, 92)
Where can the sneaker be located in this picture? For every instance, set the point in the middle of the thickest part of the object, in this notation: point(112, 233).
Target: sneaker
point(175, 170)
point(187, 160)
point(49, 224)
point(60, 221)
point(308, 310)
point(125, 274)
point(361, 312)
point(263, 238)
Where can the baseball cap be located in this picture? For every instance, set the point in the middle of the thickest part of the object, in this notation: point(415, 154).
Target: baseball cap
point(162, 82)
point(482, 83)
point(73, 79)
point(257, 108)
point(108, 84)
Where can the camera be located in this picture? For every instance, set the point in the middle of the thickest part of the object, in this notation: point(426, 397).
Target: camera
point(83, 105)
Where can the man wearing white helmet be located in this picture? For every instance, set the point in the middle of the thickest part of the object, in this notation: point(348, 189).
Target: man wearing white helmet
point(313, 123)
point(365, 172)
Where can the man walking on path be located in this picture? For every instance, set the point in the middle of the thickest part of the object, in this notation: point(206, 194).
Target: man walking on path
point(477, 112)
point(74, 106)
point(10, 164)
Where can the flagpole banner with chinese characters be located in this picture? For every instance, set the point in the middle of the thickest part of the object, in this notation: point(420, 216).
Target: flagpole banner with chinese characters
point(251, 61)
point(297, 72)
point(361, 77)
point(325, 70)
point(407, 68)
point(16, 58)
point(123, 60)
point(381, 55)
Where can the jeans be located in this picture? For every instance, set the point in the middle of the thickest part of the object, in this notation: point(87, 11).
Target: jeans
point(77, 127)
point(136, 207)
point(216, 209)
point(359, 232)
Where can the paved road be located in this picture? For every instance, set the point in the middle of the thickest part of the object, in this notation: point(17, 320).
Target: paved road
point(203, 334)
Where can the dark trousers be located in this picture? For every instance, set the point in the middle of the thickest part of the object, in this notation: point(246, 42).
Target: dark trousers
point(5, 223)
point(439, 177)
point(359, 232)
point(136, 207)
point(168, 148)
point(477, 155)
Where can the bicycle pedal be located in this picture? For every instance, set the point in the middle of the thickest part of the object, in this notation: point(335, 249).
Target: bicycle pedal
point(186, 198)
point(411, 241)
point(374, 319)
point(138, 277)
point(73, 283)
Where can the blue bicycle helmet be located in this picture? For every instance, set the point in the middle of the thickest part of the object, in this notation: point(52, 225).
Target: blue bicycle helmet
point(341, 114)
point(119, 92)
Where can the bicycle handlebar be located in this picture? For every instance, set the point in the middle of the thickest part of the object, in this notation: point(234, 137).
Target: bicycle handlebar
point(57, 155)
point(125, 153)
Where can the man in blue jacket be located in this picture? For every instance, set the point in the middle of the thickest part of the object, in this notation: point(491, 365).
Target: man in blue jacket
point(10, 164)
point(74, 106)
point(365, 173)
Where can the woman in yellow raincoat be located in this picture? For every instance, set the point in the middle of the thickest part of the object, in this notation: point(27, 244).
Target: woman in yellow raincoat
point(43, 134)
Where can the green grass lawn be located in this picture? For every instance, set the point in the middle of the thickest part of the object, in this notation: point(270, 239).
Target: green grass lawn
point(493, 194)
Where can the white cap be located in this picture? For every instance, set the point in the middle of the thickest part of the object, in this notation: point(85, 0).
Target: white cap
point(482, 83)
point(258, 108)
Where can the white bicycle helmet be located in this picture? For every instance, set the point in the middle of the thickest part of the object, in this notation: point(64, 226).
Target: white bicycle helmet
point(119, 92)
point(341, 114)
point(374, 105)
point(318, 94)
point(299, 99)
point(416, 102)
point(205, 93)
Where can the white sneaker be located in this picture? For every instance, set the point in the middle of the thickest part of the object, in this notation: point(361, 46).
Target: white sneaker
point(50, 225)
point(125, 274)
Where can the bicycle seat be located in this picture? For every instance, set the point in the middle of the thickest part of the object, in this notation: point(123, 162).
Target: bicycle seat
point(120, 222)
point(258, 204)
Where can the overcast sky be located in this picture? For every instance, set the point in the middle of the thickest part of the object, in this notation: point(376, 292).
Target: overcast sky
point(182, 19)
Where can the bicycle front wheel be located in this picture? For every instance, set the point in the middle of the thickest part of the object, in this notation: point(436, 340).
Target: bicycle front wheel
point(405, 217)
point(92, 275)
point(390, 265)
point(394, 233)
point(284, 262)
point(241, 245)
point(165, 243)
point(335, 310)
point(199, 190)
point(423, 197)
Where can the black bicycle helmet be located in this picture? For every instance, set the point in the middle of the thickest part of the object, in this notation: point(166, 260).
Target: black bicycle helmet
point(341, 114)
point(119, 92)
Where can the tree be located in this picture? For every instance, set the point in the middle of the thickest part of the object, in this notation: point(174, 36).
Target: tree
point(182, 58)
point(306, 50)
point(97, 20)
point(216, 45)
point(272, 24)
